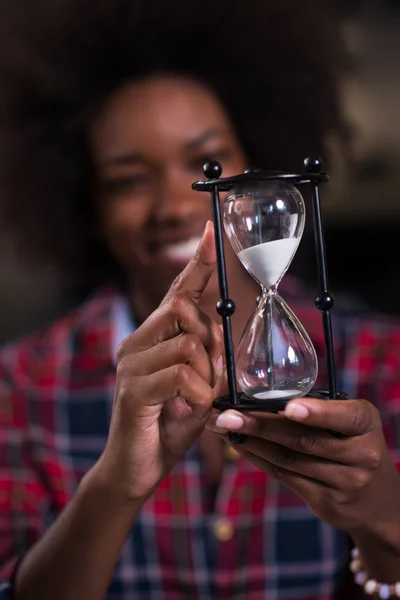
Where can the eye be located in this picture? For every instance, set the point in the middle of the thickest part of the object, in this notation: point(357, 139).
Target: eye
point(127, 185)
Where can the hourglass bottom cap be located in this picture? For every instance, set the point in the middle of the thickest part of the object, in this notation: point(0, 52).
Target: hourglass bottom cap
point(272, 404)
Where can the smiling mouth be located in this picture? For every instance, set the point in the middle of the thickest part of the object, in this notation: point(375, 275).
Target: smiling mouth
point(181, 251)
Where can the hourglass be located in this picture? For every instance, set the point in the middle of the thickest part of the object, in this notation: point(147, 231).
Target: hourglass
point(263, 215)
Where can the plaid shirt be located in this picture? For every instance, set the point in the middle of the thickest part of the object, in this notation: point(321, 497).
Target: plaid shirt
point(260, 542)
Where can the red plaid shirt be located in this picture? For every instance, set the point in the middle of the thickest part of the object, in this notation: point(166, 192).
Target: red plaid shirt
point(261, 541)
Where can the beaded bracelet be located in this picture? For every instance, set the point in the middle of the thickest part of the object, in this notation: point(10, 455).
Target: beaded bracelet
point(371, 586)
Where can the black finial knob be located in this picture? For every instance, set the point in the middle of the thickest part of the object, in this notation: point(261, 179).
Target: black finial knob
point(212, 170)
point(314, 165)
point(226, 308)
point(324, 301)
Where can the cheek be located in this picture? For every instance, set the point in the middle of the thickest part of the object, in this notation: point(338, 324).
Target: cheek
point(122, 223)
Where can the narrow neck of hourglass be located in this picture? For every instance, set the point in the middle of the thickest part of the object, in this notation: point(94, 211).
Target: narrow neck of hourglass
point(271, 291)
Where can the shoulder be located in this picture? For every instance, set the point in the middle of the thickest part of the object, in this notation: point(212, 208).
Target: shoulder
point(380, 333)
point(354, 324)
point(367, 346)
point(39, 355)
point(371, 349)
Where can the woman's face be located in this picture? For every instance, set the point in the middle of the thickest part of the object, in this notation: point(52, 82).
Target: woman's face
point(149, 144)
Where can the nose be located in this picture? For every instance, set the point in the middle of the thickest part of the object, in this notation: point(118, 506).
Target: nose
point(176, 199)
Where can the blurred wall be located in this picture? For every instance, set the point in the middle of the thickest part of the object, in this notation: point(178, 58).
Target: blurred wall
point(363, 211)
point(29, 298)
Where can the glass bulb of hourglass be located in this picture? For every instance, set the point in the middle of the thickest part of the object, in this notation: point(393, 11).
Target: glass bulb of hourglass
point(264, 222)
point(275, 359)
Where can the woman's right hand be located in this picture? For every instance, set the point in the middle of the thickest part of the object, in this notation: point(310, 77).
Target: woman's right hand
point(166, 375)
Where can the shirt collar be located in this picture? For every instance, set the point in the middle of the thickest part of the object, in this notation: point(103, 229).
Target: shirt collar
point(123, 325)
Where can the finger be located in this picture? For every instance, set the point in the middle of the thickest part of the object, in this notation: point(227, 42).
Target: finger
point(179, 381)
point(318, 469)
point(181, 428)
point(183, 349)
point(221, 386)
point(303, 486)
point(179, 315)
point(297, 437)
point(194, 278)
point(349, 417)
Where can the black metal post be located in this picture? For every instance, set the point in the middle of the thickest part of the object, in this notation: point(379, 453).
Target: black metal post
point(324, 301)
point(225, 307)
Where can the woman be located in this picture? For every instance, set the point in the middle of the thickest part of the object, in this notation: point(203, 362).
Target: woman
point(113, 460)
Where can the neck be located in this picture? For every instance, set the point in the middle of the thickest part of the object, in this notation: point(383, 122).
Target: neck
point(143, 302)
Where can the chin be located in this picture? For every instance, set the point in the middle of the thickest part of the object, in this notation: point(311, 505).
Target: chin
point(157, 278)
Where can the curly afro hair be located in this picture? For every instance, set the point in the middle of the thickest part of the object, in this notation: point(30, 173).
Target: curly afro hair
point(275, 64)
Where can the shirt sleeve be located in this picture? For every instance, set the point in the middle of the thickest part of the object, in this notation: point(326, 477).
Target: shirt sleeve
point(22, 495)
point(389, 398)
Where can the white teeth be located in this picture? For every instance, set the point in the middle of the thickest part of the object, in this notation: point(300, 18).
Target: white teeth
point(183, 250)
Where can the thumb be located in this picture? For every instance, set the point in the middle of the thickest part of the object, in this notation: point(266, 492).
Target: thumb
point(195, 277)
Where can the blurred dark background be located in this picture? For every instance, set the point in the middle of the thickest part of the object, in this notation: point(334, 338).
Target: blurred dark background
point(361, 203)
point(362, 214)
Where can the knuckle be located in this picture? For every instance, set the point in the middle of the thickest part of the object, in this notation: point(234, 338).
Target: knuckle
point(373, 458)
point(359, 419)
point(178, 304)
point(123, 391)
point(218, 334)
point(126, 387)
point(278, 473)
point(361, 479)
point(123, 350)
point(123, 368)
point(181, 375)
point(306, 443)
point(284, 457)
point(190, 345)
point(336, 500)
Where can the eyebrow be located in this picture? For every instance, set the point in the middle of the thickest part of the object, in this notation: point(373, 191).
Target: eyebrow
point(202, 138)
point(134, 157)
point(122, 159)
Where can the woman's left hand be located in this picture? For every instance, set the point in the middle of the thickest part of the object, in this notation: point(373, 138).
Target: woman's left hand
point(350, 482)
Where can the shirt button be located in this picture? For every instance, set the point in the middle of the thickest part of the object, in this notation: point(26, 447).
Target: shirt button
point(231, 454)
point(223, 529)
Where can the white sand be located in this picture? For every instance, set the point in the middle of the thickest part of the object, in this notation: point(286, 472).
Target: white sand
point(268, 261)
point(289, 394)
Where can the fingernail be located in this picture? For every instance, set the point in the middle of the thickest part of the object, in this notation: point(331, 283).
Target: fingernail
point(212, 426)
point(294, 410)
point(204, 235)
point(230, 421)
point(207, 227)
point(219, 366)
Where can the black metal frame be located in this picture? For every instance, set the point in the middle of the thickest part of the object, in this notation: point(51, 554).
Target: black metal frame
point(314, 175)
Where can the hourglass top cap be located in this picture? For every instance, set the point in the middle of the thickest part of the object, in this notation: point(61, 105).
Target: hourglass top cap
point(213, 171)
